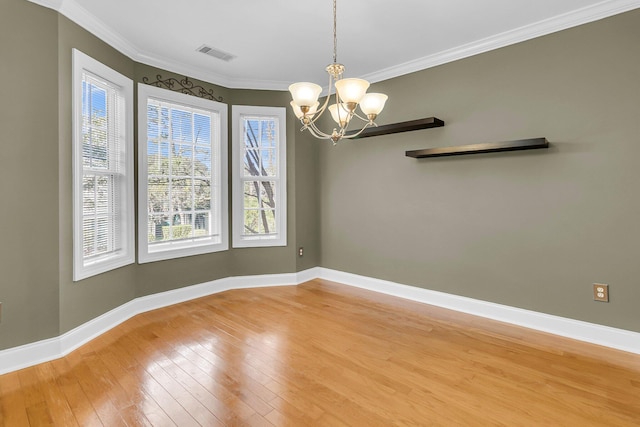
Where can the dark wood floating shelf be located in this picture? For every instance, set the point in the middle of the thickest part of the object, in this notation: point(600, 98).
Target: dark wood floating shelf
point(489, 147)
point(429, 122)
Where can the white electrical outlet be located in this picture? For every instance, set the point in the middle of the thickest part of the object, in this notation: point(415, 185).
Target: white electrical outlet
point(600, 292)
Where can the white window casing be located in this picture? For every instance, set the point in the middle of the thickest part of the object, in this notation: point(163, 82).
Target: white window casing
point(259, 169)
point(103, 208)
point(182, 175)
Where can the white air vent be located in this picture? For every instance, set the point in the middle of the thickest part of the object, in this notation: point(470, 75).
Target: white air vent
point(216, 53)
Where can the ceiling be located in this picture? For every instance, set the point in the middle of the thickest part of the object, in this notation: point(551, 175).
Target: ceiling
point(278, 42)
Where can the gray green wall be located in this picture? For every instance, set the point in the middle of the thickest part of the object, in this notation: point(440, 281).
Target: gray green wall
point(527, 229)
point(28, 173)
point(530, 229)
point(82, 301)
point(39, 298)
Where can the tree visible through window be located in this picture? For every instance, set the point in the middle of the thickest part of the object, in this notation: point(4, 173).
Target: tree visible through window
point(103, 169)
point(99, 171)
point(260, 182)
point(181, 167)
point(260, 160)
point(179, 173)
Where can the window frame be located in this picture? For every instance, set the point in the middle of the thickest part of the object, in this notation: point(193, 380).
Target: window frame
point(175, 249)
point(82, 268)
point(239, 239)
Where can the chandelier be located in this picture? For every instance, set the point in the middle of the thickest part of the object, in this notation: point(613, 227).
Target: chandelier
point(349, 94)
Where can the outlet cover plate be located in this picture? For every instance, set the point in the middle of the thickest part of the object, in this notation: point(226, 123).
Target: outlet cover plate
point(600, 292)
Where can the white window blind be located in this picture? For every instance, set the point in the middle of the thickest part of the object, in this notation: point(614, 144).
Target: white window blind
point(182, 172)
point(103, 168)
point(259, 187)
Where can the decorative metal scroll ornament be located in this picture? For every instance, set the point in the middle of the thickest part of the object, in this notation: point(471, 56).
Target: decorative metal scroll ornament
point(185, 86)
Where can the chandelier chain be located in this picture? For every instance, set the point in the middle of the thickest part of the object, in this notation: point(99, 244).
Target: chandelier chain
point(349, 95)
point(335, 34)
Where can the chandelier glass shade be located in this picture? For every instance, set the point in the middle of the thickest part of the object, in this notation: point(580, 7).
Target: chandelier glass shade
point(349, 95)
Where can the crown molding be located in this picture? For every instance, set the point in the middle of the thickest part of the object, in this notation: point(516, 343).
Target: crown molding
point(98, 28)
point(76, 13)
point(565, 21)
point(51, 4)
point(72, 10)
point(209, 76)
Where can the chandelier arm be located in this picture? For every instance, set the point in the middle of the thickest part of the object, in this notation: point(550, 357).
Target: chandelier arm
point(364, 119)
point(313, 129)
point(353, 135)
point(326, 101)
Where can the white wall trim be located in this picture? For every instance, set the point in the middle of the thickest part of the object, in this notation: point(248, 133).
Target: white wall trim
point(72, 10)
point(31, 354)
point(576, 329)
point(541, 28)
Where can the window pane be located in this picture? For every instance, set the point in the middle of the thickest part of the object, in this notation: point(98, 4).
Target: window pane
point(269, 163)
point(164, 123)
point(88, 236)
point(202, 163)
point(181, 129)
point(251, 221)
point(98, 148)
point(94, 126)
point(158, 158)
point(202, 194)
point(181, 226)
point(182, 160)
point(88, 195)
point(181, 194)
point(158, 194)
point(153, 122)
point(102, 234)
point(252, 162)
point(268, 222)
point(268, 194)
point(260, 147)
point(103, 190)
point(251, 195)
point(268, 134)
point(202, 126)
point(251, 133)
point(156, 224)
point(202, 224)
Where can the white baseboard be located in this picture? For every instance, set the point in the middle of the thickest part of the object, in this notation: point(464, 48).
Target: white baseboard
point(31, 354)
point(46, 350)
point(583, 331)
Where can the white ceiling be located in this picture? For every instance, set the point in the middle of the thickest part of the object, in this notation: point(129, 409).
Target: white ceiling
point(278, 42)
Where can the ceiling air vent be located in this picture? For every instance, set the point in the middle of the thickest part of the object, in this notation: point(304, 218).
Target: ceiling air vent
point(216, 53)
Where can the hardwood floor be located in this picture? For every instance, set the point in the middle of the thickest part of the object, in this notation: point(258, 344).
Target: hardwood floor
point(322, 354)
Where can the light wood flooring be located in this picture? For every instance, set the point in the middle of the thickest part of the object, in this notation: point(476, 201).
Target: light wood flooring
point(323, 354)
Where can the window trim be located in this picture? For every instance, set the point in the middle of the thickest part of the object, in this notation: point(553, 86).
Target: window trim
point(188, 249)
point(239, 111)
point(81, 270)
